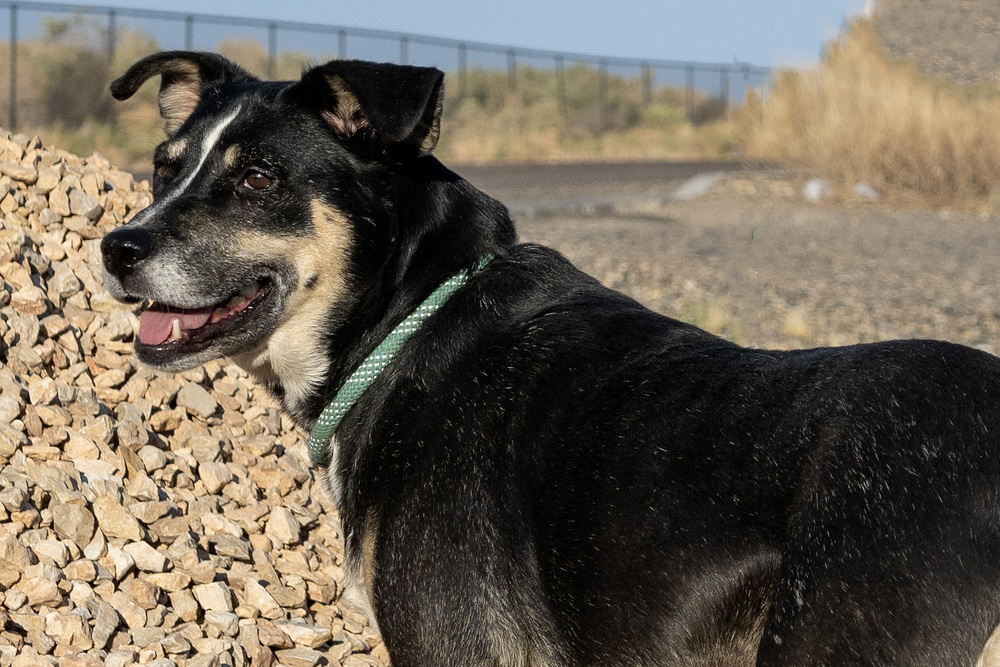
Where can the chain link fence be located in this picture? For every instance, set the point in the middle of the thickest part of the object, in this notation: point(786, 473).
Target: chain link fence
point(59, 59)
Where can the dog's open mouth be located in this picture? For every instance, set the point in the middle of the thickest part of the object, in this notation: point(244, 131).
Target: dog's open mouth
point(163, 326)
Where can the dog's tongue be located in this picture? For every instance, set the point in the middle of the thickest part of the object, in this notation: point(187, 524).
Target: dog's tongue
point(155, 324)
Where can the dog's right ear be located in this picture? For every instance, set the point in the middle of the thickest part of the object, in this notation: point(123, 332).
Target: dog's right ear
point(184, 75)
point(394, 107)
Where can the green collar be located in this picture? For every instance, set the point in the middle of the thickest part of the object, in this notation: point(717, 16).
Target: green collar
point(365, 374)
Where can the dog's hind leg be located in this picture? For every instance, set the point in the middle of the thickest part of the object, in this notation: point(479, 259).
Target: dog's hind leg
point(923, 592)
point(450, 594)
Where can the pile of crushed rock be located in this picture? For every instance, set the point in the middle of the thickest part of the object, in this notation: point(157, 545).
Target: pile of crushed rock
point(145, 518)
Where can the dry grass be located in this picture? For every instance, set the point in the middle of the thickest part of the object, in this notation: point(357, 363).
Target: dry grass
point(861, 117)
point(519, 132)
point(491, 123)
point(62, 93)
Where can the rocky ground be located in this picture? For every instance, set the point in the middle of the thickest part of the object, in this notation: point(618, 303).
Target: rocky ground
point(175, 520)
point(752, 260)
point(144, 518)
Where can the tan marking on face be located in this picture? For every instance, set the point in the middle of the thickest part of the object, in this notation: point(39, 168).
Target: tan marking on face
point(434, 131)
point(231, 156)
point(368, 557)
point(175, 149)
point(346, 118)
point(295, 355)
point(990, 657)
point(180, 93)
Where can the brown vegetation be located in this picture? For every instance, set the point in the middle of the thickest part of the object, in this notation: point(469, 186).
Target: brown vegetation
point(491, 123)
point(861, 116)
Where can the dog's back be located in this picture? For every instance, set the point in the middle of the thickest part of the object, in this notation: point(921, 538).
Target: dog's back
point(678, 498)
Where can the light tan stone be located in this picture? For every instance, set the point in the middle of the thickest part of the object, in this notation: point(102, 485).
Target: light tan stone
point(115, 520)
point(283, 526)
point(146, 558)
point(69, 631)
point(130, 612)
point(73, 522)
point(304, 634)
point(214, 475)
point(258, 597)
point(215, 596)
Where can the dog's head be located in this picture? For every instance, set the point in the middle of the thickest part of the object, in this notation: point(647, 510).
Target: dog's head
point(248, 241)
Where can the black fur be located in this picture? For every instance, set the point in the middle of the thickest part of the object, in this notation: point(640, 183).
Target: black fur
point(401, 103)
point(551, 474)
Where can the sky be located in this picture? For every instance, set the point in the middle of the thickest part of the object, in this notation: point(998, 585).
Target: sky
point(776, 32)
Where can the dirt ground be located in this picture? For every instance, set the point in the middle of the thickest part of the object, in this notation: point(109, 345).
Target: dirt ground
point(779, 272)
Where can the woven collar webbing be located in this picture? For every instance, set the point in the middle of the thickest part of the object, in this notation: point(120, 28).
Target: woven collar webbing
point(365, 374)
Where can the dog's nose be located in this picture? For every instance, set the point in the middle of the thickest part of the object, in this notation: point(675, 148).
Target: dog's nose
point(124, 248)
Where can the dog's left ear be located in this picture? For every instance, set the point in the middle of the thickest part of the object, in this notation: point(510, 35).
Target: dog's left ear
point(184, 76)
point(399, 104)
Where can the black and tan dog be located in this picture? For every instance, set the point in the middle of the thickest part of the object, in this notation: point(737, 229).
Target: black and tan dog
point(545, 472)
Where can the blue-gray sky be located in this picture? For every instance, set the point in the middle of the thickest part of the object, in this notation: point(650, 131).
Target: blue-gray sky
point(777, 32)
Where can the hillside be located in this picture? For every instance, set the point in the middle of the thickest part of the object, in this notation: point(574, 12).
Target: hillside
point(958, 39)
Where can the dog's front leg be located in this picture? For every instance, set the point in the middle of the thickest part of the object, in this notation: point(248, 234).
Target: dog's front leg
point(447, 592)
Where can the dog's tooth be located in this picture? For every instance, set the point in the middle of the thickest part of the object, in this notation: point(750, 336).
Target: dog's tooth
point(175, 330)
point(250, 291)
point(135, 323)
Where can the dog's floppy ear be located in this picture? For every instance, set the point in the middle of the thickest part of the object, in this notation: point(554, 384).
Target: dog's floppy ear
point(399, 104)
point(184, 75)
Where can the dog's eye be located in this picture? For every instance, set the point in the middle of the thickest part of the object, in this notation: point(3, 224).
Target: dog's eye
point(164, 173)
point(257, 180)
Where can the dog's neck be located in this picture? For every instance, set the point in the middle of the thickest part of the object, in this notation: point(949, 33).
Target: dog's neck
point(373, 365)
point(438, 226)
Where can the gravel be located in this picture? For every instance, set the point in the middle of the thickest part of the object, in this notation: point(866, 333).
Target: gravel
point(145, 518)
point(754, 261)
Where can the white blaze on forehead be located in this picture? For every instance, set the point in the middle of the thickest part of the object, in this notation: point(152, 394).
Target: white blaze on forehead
point(208, 143)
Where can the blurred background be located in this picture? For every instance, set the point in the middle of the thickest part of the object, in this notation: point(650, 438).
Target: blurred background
point(900, 95)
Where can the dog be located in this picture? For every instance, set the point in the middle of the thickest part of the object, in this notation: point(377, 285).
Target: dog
point(533, 469)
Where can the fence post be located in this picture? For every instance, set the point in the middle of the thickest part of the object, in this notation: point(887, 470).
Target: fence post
point(689, 91)
point(189, 32)
point(724, 85)
point(112, 36)
point(341, 44)
point(647, 85)
point(605, 110)
point(404, 50)
point(561, 84)
point(512, 70)
point(13, 67)
point(272, 50)
point(462, 69)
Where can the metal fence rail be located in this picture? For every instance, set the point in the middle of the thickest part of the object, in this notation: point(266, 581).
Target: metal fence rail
point(703, 84)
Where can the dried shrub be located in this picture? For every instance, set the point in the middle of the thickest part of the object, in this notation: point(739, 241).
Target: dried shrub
point(861, 116)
